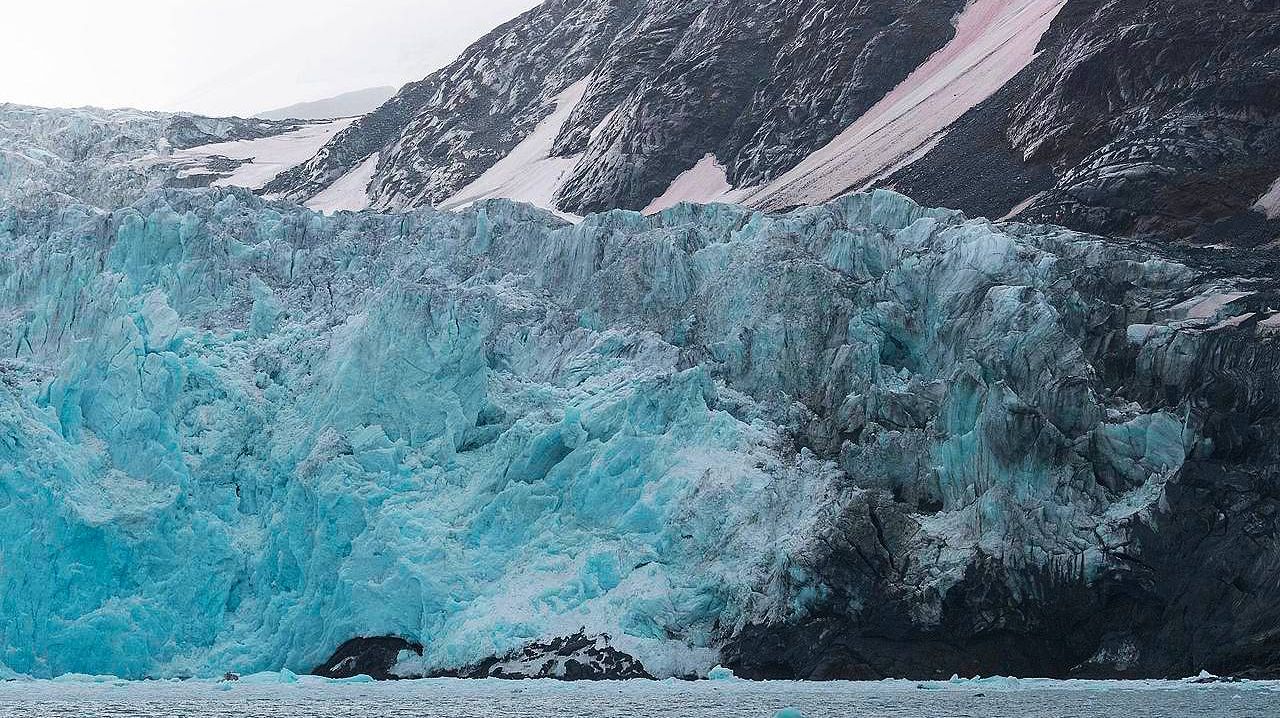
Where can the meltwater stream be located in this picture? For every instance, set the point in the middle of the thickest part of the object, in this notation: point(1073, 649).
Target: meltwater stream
point(446, 698)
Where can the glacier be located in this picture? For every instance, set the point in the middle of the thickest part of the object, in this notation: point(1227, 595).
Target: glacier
point(236, 433)
point(111, 158)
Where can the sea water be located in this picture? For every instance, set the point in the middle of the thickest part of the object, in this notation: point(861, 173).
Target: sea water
point(270, 695)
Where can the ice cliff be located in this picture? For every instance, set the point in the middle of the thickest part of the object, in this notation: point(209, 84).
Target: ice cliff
point(236, 434)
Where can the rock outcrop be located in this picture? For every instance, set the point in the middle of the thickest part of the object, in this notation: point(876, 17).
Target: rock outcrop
point(568, 658)
point(375, 657)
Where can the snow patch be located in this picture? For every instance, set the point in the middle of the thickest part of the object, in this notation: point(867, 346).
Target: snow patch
point(350, 193)
point(1233, 322)
point(529, 173)
point(1207, 306)
point(599, 129)
point(995, 39)
point(1269, 203)
point(704, 182)
point(267, 156)
point(1022, 206)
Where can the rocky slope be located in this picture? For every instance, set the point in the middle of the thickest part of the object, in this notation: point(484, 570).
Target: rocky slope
point(854, 440)
point(1136, 118)
point(1112, 116)
point(670, 82)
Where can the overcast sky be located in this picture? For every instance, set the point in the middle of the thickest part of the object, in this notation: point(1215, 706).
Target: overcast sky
point(228, 57)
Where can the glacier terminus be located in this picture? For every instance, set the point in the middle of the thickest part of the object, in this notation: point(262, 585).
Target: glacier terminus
point(853, 440)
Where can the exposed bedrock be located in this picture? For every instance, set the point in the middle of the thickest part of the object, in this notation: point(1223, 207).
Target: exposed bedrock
point(1119, 117)
point(1158, 120)
point(374, 657)
point(761, 84)
point(568, 658)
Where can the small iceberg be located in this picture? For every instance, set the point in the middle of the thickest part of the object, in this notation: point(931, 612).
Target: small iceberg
point(270, 678)
point(720, 673)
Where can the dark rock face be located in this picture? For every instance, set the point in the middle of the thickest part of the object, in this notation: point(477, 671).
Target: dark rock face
point(373, 657)
point(573, 658)
point(579, 657)
point(1137, 119)
point(185, 131)
point(761, 85)
point(838, 59)
point(1192, 587)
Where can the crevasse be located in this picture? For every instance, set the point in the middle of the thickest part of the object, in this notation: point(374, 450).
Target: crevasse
point(234, 434)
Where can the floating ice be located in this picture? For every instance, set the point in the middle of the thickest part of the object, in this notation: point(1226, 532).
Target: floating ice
point(720, 673)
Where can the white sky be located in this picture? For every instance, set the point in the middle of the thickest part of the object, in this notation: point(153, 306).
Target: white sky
point(228, 57)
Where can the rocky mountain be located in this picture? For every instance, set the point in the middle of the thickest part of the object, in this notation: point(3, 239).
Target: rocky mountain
point(1136, 118)
point(1111, 116)
point(348, 104)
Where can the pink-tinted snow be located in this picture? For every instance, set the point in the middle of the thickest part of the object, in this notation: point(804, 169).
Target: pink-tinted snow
point(529, 173)
point(1020, 207)
point(705, 182)
point(995, 39)
point(1269, 203)
point(1208, 305)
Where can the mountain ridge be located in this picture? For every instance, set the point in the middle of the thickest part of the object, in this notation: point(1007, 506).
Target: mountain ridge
point(347, 104)
point(762, 87)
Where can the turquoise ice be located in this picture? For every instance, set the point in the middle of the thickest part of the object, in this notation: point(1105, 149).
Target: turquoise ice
point(234, 434)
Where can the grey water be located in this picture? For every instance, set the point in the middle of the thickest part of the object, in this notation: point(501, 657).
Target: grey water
point(311, 698)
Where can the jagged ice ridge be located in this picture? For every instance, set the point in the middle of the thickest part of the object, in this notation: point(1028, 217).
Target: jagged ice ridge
point(234, 434)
